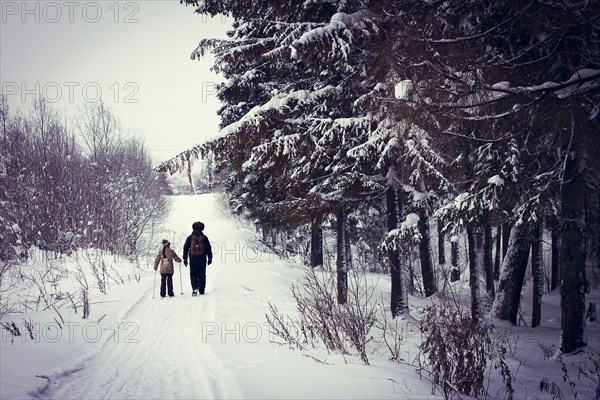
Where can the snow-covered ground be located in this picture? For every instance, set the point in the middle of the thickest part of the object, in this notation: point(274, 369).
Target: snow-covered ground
point(212, 346)
point(135, 345)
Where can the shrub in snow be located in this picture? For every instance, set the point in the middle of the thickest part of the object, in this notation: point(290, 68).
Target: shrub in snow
point(586, 372)
point(321, 319)
point(457, 349)
point(11, 328)
point(393, 333)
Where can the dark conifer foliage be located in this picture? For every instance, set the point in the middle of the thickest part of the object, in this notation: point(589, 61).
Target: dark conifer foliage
point(515, 88)
point(473, 114)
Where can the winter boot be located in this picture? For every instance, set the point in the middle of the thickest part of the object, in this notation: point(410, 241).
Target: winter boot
point(195, 293)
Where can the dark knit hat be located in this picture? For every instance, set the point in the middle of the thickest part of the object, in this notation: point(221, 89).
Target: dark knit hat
point(165, 242)
point(198, 226)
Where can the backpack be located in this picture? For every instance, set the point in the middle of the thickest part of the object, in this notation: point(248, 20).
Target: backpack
point(165, 266)
point(197, 245)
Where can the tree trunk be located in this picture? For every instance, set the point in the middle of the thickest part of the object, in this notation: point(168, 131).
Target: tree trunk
point(555, 279)
point(209, 170)
point(572, 251)
point(189, 175)
point(441, 244)
point(498, 252)
point(316, 243)
point(398, 301)
point(348, 247)
point(455, 274)
point(488, 263)
point(508, 296)
point(265, 234)
point(342, 259)
point(425, 256)
point(473, 274)
point(538, 275)
point(592, 236)
point(411, 276)
point(406, 275)
point(273, 233)
point(506, 228)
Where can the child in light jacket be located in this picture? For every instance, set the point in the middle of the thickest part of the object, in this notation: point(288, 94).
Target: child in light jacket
point(165, 258)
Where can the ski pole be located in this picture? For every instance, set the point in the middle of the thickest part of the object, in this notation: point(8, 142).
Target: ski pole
point(154, 288)
point(180, 280)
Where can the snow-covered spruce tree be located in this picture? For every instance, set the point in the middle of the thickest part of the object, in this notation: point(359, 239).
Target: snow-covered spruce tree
point(493, 92)
point(350, 45)
point(375, 150)
point(252, 80)
point(416, 176)
point(413, 155)
point(404, 143)
point(302, 132)
point(492, 72)
point(340, 52)
point(483, 180)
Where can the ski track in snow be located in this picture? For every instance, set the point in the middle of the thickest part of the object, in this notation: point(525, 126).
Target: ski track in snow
point(164, 356)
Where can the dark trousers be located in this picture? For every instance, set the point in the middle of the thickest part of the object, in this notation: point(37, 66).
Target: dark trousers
point(166, 282)
point(198, 273)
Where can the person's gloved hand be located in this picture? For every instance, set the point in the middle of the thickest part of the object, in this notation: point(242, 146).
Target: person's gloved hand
point(155, 268)
point(209, 261)
point(185, 262)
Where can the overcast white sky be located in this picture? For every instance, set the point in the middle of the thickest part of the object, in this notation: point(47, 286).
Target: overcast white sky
point(135, 54)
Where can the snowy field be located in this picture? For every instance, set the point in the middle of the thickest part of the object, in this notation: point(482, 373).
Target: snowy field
point(135, 345)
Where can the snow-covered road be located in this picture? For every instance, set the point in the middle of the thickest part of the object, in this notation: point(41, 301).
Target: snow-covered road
point(214, 346)
point(158, 352)
point(135, 345)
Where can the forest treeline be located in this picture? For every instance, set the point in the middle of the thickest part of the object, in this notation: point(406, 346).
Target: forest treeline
point(472, 122)
point(71, 185)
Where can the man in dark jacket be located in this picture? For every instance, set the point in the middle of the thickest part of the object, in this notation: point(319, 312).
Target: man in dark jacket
point(197, 247)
